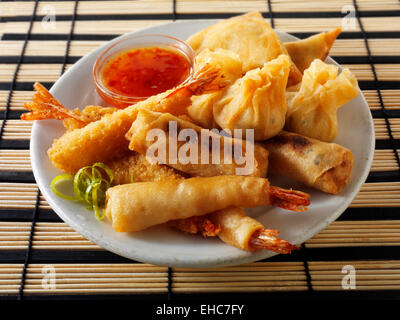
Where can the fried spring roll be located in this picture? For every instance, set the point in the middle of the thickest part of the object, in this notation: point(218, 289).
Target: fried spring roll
point(246, 233)
point(322, 165)
point(137, 206)
point(134, 167)
point(147, 120)
point(235, 228)
point(232, 223)
point(238, 228)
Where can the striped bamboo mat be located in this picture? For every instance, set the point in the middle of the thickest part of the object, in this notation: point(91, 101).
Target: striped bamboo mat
point(35, 243)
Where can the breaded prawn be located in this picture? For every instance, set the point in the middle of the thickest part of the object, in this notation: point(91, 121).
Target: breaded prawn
point(104, 139)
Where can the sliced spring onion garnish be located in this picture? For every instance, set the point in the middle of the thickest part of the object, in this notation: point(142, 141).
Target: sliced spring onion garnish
point(106, 169)
point(90, 186)
point(96, 186)
point(57, 180)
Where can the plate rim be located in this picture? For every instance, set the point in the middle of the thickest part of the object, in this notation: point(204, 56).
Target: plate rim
point(184, 263)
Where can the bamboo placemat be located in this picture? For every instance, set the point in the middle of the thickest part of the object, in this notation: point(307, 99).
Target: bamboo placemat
point(34, 242)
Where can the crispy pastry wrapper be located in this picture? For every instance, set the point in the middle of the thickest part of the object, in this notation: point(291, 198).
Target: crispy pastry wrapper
point(201, 110)
point(312, 111)
point(237, 228)
point(250, 36)
point(147, 120)
point(137, 206)
point(324, 166)
point(256, 101)
point(304, 52)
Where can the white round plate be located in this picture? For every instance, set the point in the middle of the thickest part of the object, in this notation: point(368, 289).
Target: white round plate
point(161, 245)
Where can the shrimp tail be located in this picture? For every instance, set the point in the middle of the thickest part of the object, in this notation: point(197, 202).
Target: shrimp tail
point(266, 239)
point(205, 80)
point(45, 106)
point(289, 199)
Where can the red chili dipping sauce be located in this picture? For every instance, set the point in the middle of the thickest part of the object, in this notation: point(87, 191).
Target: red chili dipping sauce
point(144, 72)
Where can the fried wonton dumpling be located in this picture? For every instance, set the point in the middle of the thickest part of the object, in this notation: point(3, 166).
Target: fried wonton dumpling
point(304, 52)
point(201, 110)
point(228, 61)
point(313, 110)
point(248, 35)
point(256, 101)
point(291, 92)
